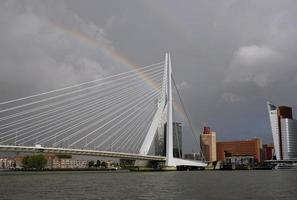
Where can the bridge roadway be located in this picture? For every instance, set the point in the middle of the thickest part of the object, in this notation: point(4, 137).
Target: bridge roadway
point(83, 152)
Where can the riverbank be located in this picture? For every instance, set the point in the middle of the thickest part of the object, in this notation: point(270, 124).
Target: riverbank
point(62, 170)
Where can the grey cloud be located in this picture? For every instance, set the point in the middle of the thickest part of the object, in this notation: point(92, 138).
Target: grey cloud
point(235, 55)
point(257, 64)
point(269, 67)
point(37, 53)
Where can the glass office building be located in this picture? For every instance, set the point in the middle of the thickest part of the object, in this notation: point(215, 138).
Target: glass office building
point(284, 132)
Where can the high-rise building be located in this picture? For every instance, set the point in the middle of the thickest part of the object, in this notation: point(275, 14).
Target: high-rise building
point(289, 139)
point(243, 148)
point(160, 140)
point(208, 144)
point(177, 140)
point(274, 122)
point(193, 156)
point(284, 131)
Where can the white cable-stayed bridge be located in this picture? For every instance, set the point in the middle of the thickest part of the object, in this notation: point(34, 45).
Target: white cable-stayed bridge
point(116, 116)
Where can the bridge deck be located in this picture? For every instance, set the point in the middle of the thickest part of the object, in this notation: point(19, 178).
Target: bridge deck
point(194, 163)
point(28, 149)
point(83, 152)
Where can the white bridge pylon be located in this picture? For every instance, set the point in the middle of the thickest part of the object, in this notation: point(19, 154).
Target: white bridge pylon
point(165, 110)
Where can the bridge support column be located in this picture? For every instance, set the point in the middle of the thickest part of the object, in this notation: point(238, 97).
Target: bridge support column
point(169, 130)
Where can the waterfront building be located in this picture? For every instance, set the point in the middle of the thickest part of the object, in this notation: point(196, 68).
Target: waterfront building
point(239, 162)
point(177, 140)
point(69, 164)
point(49, 158)
point(160, 140)
point(18, 160)
point(208, 144)
point(268, 151)
point(193, 156)
point(289, 139)
point(284, 131)
point(251, 147)
point(7, 163)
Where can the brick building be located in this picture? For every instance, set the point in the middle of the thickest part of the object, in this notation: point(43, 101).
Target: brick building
point(251, 147)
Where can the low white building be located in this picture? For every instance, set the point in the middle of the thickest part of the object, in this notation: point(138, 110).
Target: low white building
point(69, 164)
point(6, 163)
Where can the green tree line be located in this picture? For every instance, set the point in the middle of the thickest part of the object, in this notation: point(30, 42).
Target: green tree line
point(37, 162)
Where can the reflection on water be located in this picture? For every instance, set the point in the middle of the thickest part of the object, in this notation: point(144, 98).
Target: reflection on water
point(150, 185)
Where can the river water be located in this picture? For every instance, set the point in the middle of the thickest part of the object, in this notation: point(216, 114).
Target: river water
point(204, 185)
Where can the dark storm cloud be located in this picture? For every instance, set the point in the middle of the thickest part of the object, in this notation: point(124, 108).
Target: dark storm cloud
point(36, 54)
point(229, 56)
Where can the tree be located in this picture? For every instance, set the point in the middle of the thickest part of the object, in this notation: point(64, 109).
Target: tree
point(25, 162)
point(98, 163)
point(91, 163)
point(37, 162)
point(104, 164)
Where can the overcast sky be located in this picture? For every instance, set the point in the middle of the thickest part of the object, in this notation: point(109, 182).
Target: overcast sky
point(229, 56)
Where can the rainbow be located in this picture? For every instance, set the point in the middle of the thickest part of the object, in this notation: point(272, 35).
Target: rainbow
point(105, 49)
point(115, 56)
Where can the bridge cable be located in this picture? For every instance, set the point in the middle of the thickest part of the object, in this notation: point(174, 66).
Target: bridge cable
point(187, 115)
point(46, 121)
point(47, 99)
point(78, 85)
point(47, 106)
